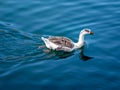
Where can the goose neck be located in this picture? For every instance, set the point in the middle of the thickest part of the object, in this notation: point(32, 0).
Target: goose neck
point(81, 39)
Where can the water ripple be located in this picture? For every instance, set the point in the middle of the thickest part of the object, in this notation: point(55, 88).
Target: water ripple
point(22, 23)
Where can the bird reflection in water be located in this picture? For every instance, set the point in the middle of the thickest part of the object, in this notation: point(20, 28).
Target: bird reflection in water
point(62, 54)
point(83, 56)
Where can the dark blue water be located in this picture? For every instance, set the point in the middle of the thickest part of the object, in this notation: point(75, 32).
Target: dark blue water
point(25, 66)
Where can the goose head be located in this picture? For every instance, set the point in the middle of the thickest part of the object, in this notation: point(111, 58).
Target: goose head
point(86, 31)
point(83, 32)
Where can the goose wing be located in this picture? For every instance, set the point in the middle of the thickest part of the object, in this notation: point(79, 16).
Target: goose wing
point(62, 41)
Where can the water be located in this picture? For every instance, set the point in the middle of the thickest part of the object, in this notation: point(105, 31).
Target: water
point(25, 66)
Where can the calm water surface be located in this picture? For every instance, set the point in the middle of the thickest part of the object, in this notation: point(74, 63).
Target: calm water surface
point(25, 66)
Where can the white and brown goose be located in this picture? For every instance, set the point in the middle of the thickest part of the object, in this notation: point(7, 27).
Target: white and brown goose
point(65, 44)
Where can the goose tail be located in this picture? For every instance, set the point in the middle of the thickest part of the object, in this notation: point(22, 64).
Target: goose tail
point(43, 38)
point(46, 41)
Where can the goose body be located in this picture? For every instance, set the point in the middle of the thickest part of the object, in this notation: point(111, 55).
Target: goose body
point(64, 43)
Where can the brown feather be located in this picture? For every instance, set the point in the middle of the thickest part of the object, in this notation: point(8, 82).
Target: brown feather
point(62, 41)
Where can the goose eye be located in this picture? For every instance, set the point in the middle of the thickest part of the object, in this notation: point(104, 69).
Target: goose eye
point(87, 30)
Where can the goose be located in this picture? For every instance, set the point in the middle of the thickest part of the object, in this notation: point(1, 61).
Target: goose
point(60, 43)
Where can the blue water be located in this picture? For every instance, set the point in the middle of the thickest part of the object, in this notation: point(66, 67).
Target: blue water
point(25, 66)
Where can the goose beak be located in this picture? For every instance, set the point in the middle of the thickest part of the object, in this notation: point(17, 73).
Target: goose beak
point(91, 33)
